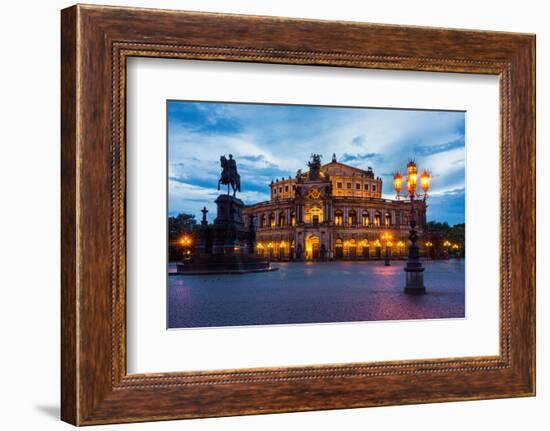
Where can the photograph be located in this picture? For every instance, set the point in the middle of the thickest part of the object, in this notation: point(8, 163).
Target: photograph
point(303, 214)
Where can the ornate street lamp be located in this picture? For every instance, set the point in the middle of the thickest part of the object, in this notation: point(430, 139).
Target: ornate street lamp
point(414, 270)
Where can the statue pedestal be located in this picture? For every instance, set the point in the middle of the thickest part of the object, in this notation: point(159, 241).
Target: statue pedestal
point(229, 235)
point(230, 211)
point(224, 246)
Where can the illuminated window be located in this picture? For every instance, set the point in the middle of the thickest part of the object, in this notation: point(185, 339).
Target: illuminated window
point(282, 219)
point(377, 219)
point(338, 218)
point(352, 217)
point(263, 223)
point(366, 218)
point(272, 220)
point(387, 219)
point(293, 218)
point(338, 185)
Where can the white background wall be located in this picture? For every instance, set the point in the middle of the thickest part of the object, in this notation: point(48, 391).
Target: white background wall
point(29, 214)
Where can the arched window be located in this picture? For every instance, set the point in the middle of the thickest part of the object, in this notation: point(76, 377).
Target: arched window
point(366, 218)
point(387, 219)
point(365, 248)
point(263, 222)
point(338, 249)
point(282, 249)
point(272, 220)
point(282, 219)
point(338, 218)
point(260, 249)
point(377, 219)
point(292, 218)
point(352, 218)
point(352, 248)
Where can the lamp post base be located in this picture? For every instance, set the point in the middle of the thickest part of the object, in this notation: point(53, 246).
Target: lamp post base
point(414, 278)
point(415, 290)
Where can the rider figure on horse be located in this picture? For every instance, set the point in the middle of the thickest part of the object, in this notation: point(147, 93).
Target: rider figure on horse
point(230, 176)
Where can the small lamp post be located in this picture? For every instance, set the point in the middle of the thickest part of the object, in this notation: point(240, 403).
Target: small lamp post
point(429, 245)
point(455, 249)
point(446, 246)
point(386, 236)
point(186, 242)
point(414, 270)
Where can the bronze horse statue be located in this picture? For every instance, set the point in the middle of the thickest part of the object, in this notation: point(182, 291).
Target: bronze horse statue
point(230, 176)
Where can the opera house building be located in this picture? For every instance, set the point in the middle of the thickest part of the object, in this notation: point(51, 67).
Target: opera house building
point(332, 211)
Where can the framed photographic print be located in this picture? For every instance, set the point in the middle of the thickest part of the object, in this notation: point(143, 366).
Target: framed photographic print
point(265, 214)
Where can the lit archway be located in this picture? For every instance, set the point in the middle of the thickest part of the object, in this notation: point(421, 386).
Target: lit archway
point(312, 247)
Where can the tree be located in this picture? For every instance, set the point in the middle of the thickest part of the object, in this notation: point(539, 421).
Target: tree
point(180, 224)
point(437, 226)
point(457, 235)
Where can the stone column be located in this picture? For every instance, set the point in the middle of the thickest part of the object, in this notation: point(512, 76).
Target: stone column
point(345, 221)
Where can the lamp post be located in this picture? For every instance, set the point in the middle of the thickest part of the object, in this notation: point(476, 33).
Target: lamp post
point(414, 270)
point(386, 236)
point(186, 242)
point(446, 246)
point(429, 245)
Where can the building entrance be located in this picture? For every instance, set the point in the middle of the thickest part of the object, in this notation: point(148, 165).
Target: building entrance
point(312, 247)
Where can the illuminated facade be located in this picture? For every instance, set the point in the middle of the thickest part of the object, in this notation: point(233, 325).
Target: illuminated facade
point(332, 211)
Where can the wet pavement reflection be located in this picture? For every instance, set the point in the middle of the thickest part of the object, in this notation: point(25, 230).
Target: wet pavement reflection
point(310, 292)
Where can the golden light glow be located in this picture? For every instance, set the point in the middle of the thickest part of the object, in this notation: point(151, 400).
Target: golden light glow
point(260, 245)
point(446, 243)
point(411, 176)
point(377, 243)
point(400, 244)
point(429, 243)
point(364, 243)
point(270, 245)
point(425, 180)
point(282, 244)
point(456, 246)
point(398, 182)
point(386, 236)
point(185, 241)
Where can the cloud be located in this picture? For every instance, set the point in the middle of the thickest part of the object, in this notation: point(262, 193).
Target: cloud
point(274, 141)
point(360, 157)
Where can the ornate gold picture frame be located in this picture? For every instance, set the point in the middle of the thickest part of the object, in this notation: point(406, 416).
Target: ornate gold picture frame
point(96, 41)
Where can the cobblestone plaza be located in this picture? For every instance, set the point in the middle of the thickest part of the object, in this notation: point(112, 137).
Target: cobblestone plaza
point(315, 292)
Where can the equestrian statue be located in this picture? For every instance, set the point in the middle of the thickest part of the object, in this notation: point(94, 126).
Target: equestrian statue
point(230, 176)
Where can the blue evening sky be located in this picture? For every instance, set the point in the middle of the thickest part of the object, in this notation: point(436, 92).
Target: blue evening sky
point(272, 141)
